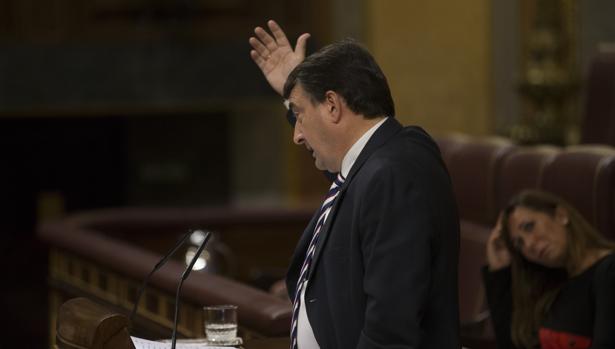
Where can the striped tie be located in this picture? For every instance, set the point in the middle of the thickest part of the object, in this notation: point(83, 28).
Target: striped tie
point(309, 255)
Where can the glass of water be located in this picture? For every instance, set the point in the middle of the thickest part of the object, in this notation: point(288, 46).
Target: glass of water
point(221, 323)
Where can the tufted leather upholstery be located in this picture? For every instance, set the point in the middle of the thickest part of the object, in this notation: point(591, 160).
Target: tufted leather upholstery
point(487, 172)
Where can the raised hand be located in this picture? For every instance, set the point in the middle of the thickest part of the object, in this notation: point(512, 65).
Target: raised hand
point(498, 256)
point(274, 55)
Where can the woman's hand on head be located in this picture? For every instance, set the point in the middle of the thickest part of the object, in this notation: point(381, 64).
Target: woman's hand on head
point(498, 255)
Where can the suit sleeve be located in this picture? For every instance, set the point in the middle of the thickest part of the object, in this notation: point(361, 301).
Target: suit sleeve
point(499, 297)
point(396, 248)
point(604, 283)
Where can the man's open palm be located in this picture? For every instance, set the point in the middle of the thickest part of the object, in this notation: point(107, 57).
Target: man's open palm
point(274, 55)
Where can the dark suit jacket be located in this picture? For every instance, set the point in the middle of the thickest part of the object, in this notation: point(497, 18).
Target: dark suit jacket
point(384, 274)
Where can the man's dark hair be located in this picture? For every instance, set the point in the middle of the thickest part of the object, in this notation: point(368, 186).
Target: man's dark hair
point(348, 69)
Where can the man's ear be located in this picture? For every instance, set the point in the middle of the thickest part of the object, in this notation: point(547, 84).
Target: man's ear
point(333, 103)
point(561, 215)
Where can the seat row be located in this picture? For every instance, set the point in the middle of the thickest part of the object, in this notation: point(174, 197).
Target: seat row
point(487, 172)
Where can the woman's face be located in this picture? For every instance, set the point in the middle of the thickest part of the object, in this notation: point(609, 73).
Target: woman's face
point(540, 237)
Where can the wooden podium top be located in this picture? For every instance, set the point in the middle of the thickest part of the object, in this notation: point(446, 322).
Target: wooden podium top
point(269, 343)
point(83, 323)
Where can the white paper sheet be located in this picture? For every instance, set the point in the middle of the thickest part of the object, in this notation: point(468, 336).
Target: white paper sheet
point(141, 343)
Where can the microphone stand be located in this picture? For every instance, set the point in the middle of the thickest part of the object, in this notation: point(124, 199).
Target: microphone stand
point(158, 265)
point(181, 282)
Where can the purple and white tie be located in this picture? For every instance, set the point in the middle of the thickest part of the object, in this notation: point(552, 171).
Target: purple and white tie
point(325, 209)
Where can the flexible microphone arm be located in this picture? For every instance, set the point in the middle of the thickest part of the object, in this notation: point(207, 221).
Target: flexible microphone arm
point(181, 282)
point(158, 265)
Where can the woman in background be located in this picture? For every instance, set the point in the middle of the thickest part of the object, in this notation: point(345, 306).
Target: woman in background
point(550, 278)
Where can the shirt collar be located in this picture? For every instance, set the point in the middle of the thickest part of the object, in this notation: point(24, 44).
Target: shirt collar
point(353, 153)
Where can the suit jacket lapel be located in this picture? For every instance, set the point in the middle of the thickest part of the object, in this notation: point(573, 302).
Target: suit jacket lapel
point(299, 255)
point(325, 229)
point(387, 130)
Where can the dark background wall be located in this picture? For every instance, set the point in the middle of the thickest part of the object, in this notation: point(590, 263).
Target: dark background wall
point(125, 103)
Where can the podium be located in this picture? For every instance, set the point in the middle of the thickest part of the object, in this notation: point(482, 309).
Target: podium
point(84, 324)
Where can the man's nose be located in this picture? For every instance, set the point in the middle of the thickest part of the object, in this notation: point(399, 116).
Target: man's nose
point(298, 135)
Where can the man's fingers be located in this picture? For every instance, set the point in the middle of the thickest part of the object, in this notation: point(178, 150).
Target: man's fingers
point(278, 33)
point(259, 47)
point(265, 38)
point(301, 42)
point(257, 58)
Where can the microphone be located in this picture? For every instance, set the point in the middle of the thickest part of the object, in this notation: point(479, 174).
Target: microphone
point(181, 282)
point(158, 265)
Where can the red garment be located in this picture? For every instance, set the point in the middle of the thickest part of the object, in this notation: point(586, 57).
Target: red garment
point(550, 339)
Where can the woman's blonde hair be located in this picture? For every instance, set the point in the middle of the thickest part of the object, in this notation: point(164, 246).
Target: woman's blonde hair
point(534, 287)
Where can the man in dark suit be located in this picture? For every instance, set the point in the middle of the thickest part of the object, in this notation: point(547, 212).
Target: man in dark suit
point(377, 265)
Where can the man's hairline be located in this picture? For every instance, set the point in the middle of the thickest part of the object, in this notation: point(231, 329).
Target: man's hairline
point(311, 97)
